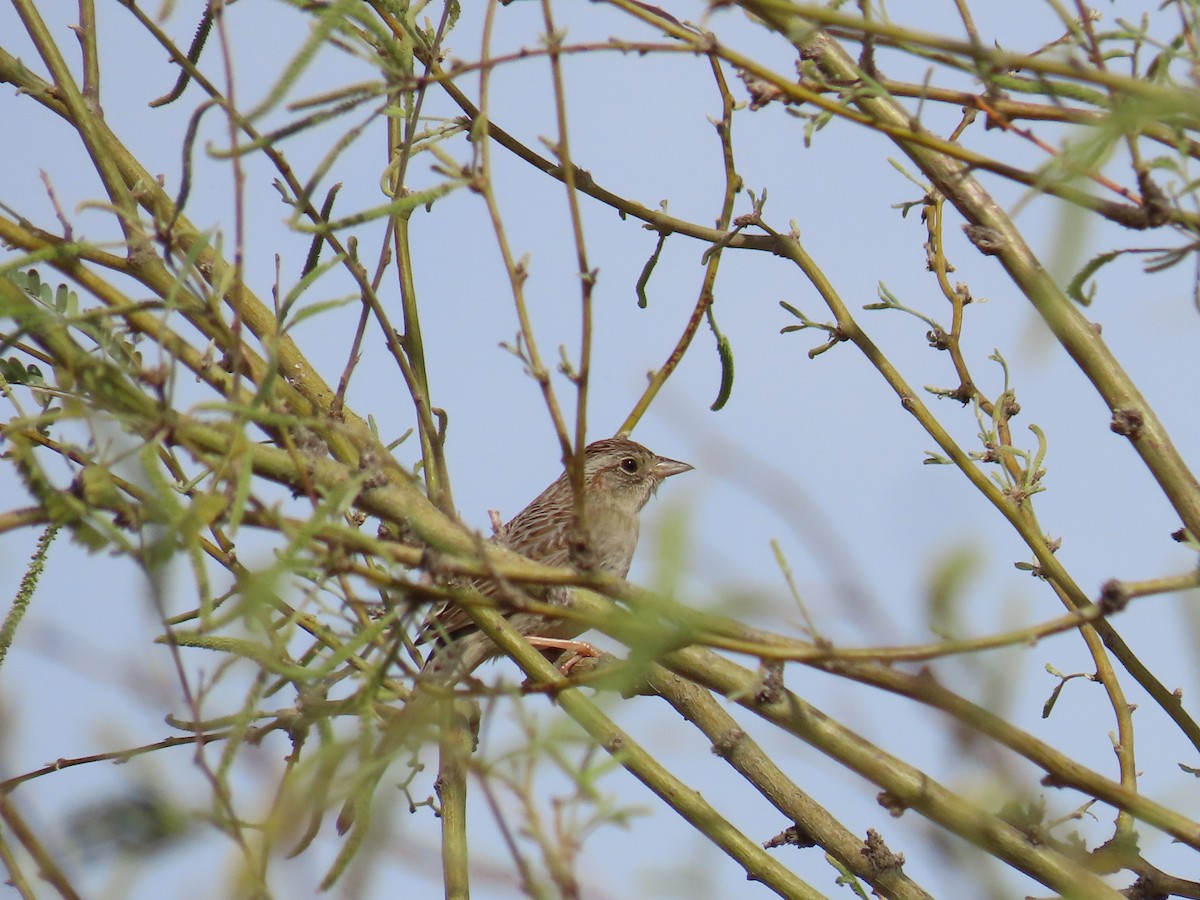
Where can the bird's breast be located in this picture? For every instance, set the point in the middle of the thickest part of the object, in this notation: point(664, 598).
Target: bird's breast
point(612, 538)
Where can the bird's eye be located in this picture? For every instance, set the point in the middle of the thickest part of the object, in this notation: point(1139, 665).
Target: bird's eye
point(630, 465)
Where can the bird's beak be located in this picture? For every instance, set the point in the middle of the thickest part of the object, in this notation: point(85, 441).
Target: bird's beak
point(665, 468)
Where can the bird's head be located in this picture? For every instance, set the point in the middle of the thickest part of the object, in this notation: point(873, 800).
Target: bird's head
point(624, 473)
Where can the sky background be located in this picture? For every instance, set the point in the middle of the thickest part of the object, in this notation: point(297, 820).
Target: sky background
point(816, 454)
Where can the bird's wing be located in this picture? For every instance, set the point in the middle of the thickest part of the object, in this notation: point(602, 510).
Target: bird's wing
point(539, 532)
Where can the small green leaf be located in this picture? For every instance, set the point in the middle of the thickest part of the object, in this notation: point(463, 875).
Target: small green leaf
point(1076, 290)
point(725, 353)
point(1048, 706)
point(647, 269)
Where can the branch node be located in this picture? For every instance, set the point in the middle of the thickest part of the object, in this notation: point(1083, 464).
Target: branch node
point(1127, 421)
point(892, 803)
point(987, 241)
point(793, 836)
point(877, 854)
point(1113, 597)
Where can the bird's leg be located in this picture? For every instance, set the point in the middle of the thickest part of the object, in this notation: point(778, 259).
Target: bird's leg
point(580, 649)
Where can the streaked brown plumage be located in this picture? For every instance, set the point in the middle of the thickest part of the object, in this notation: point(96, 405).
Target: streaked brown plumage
point(620, 476)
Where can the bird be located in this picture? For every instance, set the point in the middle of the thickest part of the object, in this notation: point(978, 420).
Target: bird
point(619, 478)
